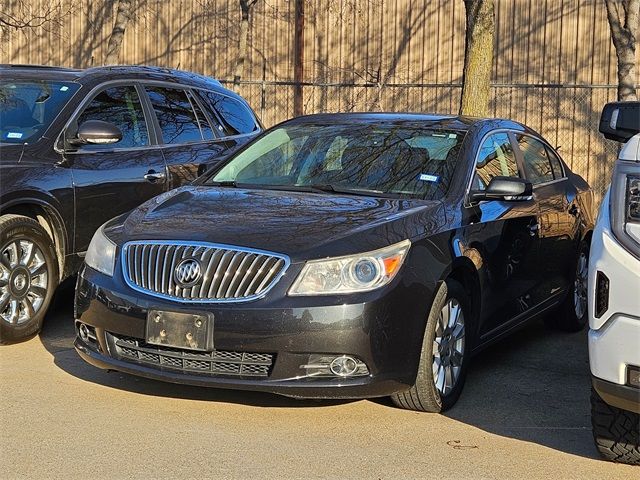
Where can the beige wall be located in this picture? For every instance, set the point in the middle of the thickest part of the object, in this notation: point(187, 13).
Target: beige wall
point(367, 55)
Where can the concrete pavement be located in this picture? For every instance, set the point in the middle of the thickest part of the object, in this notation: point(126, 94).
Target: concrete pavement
point(524, 414)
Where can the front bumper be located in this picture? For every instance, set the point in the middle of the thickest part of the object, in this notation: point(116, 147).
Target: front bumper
point(614, 334)
point(384, 330)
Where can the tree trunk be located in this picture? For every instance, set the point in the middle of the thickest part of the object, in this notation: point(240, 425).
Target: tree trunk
point(117, 34)
point(478, 58)
point(624, 23)
point(245, 9)
point(298, 59)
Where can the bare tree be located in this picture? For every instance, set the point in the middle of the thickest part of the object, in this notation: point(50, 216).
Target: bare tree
point(23, 15)
point(623, 21)
point(478, 57)
point(245, 9)
point(114, 46)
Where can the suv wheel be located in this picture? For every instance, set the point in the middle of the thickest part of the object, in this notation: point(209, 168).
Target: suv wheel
point(615, 431)
point(28, 276)
point(445, 351)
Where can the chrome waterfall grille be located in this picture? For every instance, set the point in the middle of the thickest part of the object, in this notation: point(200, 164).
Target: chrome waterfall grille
point(200, 272)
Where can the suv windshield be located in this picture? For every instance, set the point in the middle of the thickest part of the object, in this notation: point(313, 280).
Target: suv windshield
point(28, 107)
point(396, 160)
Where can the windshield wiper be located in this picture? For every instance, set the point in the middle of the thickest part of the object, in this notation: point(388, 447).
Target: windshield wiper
point(224, 183)
point(327, 187)
point(311, 188)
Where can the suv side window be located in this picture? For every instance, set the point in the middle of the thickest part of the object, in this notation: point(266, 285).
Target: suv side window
point(178, 121)
point(120, 106)
point(205, 126)
point(496, 158)
point(236, 118)
point(537, 167)
point(556, 164)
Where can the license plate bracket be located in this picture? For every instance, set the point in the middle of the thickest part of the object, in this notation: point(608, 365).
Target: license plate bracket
point(190, 331)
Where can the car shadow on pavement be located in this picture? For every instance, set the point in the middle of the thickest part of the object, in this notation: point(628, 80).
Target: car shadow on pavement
point(533, 386)
point(58, 335)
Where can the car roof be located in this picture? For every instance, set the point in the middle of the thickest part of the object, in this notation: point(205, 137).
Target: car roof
point(453, 122)
point(111, 72)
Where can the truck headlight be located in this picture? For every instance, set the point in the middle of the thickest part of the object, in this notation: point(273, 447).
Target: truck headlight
point(352, 273)
point(101, 254)
point(624, 205)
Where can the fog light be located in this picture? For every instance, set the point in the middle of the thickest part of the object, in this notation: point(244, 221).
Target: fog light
point(335, 366)
point(343, 366)
point(633, 376)
point(84, 332)
point(87, 334)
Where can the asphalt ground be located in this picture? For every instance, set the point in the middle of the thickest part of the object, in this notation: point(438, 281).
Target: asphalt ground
point(524, 413)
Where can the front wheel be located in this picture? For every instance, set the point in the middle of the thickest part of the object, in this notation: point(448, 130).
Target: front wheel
point(444, 356)
point(572, 315)
point(616, 432)
point(28, 276)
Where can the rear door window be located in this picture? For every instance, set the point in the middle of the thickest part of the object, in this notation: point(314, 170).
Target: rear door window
point(120, 106)
point(203, 121)
point(556, 164)
point(496, 158)
point(236, 118)
point(537, 166)
point(176, 116)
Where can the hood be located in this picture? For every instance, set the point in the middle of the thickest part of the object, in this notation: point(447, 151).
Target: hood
point(10, 153)
point(299, 224)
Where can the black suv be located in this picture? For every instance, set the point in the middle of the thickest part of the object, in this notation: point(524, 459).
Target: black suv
point(78, 147)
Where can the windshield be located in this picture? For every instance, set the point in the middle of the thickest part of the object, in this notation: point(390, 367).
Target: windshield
point(28, 107)
point(368, 159)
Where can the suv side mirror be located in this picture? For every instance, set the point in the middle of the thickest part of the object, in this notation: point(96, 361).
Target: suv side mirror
point(620, 120)
point(503, 188)
point(96, 132)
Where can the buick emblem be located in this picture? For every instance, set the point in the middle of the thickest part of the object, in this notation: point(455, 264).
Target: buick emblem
point(187, 273)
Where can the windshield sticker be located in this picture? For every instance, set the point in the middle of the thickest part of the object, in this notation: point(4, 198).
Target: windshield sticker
point(14, 135)
point(427, 177)
point(64, 88)
point(453, 135)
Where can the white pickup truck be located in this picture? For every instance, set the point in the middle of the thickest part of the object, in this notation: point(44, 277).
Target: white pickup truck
point(614, 296)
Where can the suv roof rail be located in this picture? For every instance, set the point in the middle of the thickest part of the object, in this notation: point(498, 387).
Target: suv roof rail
point(38, 67)
point(155, 69)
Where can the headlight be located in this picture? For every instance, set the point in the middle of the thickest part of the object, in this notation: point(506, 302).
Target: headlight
point(353, 273)
point(624, 205)
point(101, 254)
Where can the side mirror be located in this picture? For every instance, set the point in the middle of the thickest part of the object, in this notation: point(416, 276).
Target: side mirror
point(503, 188)
point(96, 132)
point(620, 120)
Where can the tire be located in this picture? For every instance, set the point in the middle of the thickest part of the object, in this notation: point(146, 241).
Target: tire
point(570, 317)
point(616, 432)
point(425, 395)
point(28, 277)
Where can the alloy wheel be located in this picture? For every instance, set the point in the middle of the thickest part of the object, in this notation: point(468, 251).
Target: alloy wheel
point(448, 347)
point(580, 285)
point(23, 281)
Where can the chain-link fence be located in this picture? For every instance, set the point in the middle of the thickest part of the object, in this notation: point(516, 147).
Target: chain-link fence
point(567, 116)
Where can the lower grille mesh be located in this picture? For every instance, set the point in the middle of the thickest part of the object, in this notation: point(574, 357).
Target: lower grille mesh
point(218, 362)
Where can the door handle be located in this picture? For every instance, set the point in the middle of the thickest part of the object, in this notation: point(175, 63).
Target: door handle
point(153, 176)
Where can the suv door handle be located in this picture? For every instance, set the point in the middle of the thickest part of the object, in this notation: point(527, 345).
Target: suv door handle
point(153, 176)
